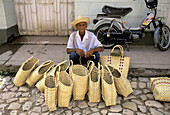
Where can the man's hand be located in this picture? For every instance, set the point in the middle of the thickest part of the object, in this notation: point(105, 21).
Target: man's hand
point(89, 53)
point(80, 52)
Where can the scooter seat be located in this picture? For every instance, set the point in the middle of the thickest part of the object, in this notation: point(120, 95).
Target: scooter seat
point(115, 11)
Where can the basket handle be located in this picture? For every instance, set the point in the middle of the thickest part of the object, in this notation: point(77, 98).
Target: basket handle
point(109, 71)
point(89, 63)
point(102, 69)
point(120, 48)
point(71, 63)
point(90, 66)
point(68, 67)
point(99, 66)
point(57, 75)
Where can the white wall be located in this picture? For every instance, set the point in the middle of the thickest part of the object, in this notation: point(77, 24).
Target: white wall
point(10, 13)
point(7, 14)
point(168, 20)
point(2, 16)
point(90, 8)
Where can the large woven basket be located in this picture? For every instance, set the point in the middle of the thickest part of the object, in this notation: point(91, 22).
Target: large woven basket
point(161, 88)
point(94, 83)
point(79, 75)
point(40, 84)
point(25, 70)
point(118, 60)
point(122, 84)
point(51, 87)
point(109, 93)
point(38, 73)
point(65, 87)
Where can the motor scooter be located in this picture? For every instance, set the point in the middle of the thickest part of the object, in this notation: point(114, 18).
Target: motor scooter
point(110, 27)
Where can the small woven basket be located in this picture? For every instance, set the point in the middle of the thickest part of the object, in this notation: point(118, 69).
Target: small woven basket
point(109, 93)
point(38, 73)
point(94, 83)
point(161, 88)
point(65, 87)
point(25, 70)
point(122, 84)
point(79, 75)
point(51, 87)
point(41, 83)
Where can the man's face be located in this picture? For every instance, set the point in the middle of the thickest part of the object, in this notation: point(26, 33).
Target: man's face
point(81, 26)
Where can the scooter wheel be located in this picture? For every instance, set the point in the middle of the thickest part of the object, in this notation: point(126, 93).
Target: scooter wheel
point(163, 37)
point(99, 32)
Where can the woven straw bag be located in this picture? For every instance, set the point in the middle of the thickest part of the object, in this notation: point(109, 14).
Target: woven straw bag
point(94, 83)
point(109, 93)
point(51, 87)
point(122, 84)
point(24, 71)
point(65, 87)
point(63, 66)
point(53, 71)
point(79, 75)
point(161, 88)
point(40, 84)
point(118, 60)
point(38, 73)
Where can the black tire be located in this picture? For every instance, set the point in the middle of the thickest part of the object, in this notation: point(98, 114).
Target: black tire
point(163, 37)
point(99, 33)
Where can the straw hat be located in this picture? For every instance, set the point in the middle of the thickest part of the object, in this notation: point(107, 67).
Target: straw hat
point(80, 19)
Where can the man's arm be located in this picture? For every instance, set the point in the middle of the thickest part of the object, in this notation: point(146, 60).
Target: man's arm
point(98, 49)
point(79, 51)
point(91, 51)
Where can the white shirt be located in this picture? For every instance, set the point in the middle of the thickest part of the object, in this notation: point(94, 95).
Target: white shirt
point(90, 41)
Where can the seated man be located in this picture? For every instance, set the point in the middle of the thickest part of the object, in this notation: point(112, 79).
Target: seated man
point(83, 43)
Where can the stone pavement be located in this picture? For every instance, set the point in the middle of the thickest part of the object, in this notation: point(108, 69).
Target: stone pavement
point(29, 101)
point(145, 60)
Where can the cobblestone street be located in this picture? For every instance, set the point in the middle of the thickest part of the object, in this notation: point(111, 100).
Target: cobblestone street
point(30, 101)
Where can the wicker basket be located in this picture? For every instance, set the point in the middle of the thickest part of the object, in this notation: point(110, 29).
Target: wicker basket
point(38, 73)
point(40, 84)
point(161, 88)
point(63, 66)
point(79, 75)
point(25, 70)
point(118, 60)
point(109, 93)
point(51, 87)
point(122, 84)
point(65, 87)
point(94, 83)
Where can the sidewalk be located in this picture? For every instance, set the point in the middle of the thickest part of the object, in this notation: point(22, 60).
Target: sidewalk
point(145, 60)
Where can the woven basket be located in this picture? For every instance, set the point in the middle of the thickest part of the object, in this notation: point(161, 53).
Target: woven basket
point(63, 66)
point(118, 60)
point(79, 75)
point(109, 93)
point(24, 71)
point(40, 84)
point(94, 83)
point(51, 87)
point(161, 88)
point(38, 73)
point(122, 84)
point(65, 87)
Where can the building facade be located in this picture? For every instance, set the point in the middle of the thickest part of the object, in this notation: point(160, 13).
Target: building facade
point(54, 17)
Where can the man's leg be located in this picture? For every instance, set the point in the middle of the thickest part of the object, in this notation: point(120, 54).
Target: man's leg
point(74, 57)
